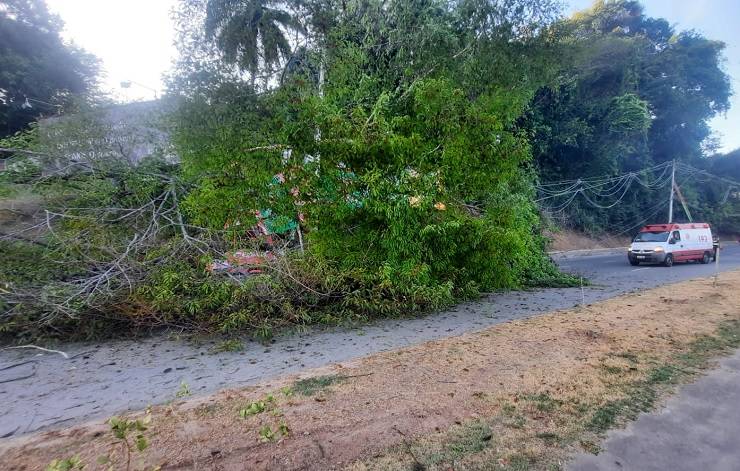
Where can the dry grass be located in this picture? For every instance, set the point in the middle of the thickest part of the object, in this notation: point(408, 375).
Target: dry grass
point(520, 395)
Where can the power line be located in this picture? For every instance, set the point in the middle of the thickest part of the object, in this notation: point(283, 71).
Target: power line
point(695, 171)
point(656, 209)
point(608, 191)
point(605, 178)
point(602, 187)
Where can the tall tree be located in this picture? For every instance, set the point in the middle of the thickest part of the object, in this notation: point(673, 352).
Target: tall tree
point(251, 33)
point(632, 92)
point(39, 72)
point(717, 193)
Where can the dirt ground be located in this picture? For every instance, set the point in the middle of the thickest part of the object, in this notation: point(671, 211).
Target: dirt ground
point(511, 394)
point(565, 240)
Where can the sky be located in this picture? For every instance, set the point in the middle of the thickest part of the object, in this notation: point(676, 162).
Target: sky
point(134, 39)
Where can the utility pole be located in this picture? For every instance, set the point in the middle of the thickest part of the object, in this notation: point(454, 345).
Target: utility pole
point(673, 185)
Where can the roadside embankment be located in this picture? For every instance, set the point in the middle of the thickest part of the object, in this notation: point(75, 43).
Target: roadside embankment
point(566, 240)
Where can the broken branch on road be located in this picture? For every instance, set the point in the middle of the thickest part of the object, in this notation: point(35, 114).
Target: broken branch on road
point(39, 348)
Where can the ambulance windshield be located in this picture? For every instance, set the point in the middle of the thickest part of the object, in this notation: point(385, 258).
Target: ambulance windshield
point(651, 237)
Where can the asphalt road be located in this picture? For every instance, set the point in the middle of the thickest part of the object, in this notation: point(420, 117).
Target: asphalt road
point(100, 380)
point(613, 271)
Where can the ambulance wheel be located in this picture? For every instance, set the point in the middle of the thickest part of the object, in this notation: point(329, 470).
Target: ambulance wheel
point(668, 260)
point(705, 259)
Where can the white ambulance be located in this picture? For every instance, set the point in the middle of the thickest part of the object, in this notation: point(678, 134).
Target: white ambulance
point(670, 243)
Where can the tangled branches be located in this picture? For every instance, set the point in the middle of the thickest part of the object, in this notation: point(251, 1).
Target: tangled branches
point(99, 231)
point(111, 245)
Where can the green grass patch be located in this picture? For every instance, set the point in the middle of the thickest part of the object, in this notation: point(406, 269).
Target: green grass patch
point(508, 408)
point(310, 386)
point(544, 402)
point(460, 441)
point(641, 396)
point(470, 439)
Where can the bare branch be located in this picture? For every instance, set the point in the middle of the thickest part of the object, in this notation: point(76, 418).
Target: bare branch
point(39, 348)
point(270, 147)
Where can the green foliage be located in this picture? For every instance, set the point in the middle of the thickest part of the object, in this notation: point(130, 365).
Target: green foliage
point(405, 169)
point(121, 427)
point(184, 390)
point(266, 433)
point(395, 147)
point(19, 167)
point(67, 464)
point(718, 200)
point(131, 434)
point(310, 386)
point(253, 408)
point(629, 115)
point(632, 93)
point(258, 407)
point(251, 34)
point(100, 216)
point(435, 149)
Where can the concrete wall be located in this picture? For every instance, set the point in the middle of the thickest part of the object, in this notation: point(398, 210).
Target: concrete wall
point(131, 132)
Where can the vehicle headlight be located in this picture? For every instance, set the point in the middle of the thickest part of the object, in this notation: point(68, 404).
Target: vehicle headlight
point(658, 249)
point(629, 249)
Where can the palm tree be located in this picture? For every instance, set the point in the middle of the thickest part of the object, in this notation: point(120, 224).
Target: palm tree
point(251, 33)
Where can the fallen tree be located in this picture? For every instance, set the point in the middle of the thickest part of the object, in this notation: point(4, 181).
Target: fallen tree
point(383, 175)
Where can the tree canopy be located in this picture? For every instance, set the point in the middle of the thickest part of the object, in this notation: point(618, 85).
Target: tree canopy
point(404, 159)
point(632, 93)
point(37, 67)
point(251, 34)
